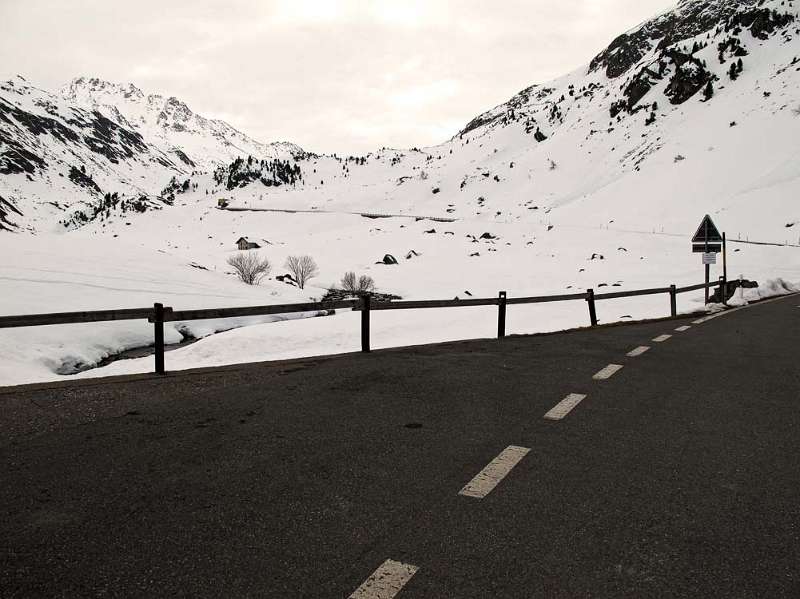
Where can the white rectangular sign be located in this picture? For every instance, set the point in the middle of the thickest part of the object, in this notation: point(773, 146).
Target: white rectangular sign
point(709, 258)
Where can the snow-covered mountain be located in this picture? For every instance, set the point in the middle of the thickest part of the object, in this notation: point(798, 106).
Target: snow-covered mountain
point(62, 153)
point(695, 110)
point(701, 101)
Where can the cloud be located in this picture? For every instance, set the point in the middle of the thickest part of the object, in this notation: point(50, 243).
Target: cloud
point(420, 96)
point(343, 76)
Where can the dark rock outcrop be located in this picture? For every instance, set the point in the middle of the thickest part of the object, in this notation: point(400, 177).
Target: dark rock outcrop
point(15, 158)
point(692, 18)
point(335, 295)
point(81, 179)
point(6, 208)
point(287, 278)
point(762, 22)
point(731, 288)
point(689, 78)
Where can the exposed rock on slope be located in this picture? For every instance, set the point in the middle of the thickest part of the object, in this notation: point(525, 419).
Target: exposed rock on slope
point(6, 209)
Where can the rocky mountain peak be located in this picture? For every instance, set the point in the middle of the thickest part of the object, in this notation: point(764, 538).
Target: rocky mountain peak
point(89, 88)
point(689, 19)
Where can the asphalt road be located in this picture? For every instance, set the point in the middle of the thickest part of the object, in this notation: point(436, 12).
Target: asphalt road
point(676, 477)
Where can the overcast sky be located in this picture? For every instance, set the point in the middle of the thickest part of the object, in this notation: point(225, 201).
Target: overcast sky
point(343, 76)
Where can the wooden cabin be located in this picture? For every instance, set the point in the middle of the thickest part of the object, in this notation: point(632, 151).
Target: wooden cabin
point(243, 244)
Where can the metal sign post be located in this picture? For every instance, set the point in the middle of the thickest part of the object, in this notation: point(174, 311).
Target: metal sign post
point(708, 241)
point(708, 269)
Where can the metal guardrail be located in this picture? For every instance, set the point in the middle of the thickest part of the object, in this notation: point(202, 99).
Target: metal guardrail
point(159, 314)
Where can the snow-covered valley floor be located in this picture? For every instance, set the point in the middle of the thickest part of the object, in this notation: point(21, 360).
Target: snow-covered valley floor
point(178, 257)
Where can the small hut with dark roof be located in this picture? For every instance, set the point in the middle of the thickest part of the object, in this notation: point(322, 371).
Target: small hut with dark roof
point(244, 244)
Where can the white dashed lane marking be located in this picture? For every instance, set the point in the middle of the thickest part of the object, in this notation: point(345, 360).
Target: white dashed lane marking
point(638, 351)
point(713, 316)
point(683, 329)
point(565, 406)
point(607, 372)
point(488, 478)
point(388, 580)
point(662, 338)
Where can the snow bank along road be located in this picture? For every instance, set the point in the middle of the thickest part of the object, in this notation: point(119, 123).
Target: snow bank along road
point(570, 465)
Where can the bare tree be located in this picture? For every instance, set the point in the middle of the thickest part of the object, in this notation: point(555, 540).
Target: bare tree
point(349, 282)
point(365, 284)
point(302, 268)
point(250, 267)
point(357, 286)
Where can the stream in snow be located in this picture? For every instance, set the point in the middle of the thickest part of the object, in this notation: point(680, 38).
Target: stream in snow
point(71, 366)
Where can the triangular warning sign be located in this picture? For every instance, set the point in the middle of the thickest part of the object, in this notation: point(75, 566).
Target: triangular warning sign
point(707, 232)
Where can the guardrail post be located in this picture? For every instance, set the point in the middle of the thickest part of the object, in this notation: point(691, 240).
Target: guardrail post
point(501, 315)
point(158, 324)
point(592, 308)
point(673, 300)
point(725, 261)
point(365, 323)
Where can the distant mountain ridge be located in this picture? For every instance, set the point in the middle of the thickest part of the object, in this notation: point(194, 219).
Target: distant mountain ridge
point(171, 124)
point(132, 144)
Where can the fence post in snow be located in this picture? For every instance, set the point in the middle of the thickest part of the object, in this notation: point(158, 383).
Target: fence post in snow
point(673, 300)
point(158, 325)
point(592, 309)
point(501, 315)
point(365, 323)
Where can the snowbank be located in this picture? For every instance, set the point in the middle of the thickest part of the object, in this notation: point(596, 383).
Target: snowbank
point(772, 288)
